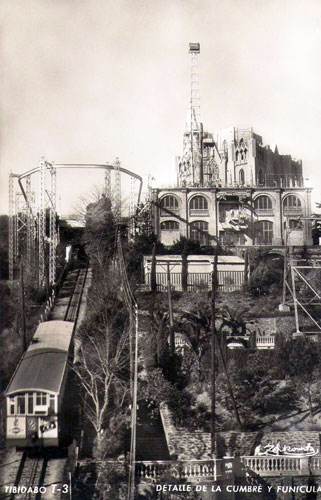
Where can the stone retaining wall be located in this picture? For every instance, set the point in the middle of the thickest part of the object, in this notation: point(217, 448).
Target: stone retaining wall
point(185, 445)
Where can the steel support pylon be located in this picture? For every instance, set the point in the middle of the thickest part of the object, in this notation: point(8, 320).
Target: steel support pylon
point(107, 186)
point(132, 207)
point(11, 228)
point(52, 227)
point(41, 225)
point(117, 203)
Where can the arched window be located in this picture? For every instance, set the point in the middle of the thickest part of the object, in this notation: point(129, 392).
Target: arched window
point(198, 203)
point(241, 152)
point(292, 203)
point(169, 225)
point(199, 232)
point(295, 225)
point(241, 177)
point(169, 203)
point(263, 232)
point(263, 203)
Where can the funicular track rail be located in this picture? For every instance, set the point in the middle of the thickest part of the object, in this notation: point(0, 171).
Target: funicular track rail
point(30, 478)
point(73, 307)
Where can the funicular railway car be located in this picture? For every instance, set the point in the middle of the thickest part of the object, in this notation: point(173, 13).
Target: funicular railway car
point(35, 393)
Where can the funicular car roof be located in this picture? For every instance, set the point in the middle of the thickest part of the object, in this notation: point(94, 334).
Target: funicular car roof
point(42, 366)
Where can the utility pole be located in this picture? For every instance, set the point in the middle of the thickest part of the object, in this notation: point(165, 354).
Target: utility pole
point(153, 281)
point(213, 364)
point(23, 309)
point(285, 263)
point(131, 488)
point(214, 338)
point(170, 309)
point(246, 266)
point(286, 267)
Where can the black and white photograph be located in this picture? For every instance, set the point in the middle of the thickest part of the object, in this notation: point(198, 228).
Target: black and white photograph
point(160, 250)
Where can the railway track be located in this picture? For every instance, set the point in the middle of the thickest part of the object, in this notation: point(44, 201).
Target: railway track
point(72, 310)
point(29, 483)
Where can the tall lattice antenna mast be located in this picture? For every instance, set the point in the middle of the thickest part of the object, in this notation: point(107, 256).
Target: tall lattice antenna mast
point(195, 117)
point(194, 50)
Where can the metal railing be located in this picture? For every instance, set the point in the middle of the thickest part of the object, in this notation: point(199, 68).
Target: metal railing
point(227, 280)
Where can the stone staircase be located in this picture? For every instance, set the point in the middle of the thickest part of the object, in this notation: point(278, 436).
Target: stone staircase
point(151, 442)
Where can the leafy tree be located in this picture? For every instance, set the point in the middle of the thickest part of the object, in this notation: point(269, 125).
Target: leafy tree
point(102, 368)
point(4, 242)
point(193, 247)
point(100, 230)
point(258, 392)
point(197, 322)
point(141, 245)
point(263, 277)
point(300, 361)
point(155, 388)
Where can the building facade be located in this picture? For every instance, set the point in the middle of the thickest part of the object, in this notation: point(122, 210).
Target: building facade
point(233, 189)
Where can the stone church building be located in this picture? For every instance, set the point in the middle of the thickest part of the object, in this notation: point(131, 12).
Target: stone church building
point(234, 189)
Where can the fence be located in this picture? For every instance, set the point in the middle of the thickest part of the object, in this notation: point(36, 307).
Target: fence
point(283, 465)
point(228, 281)
point(265, 342)
point(188, 469)
point(264, 466)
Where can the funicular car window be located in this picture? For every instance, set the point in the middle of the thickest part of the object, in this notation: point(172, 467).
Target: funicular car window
point(30, 403)
point(21, 403)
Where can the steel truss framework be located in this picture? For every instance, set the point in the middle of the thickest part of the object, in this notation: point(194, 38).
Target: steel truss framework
point(192, 137)
point(28, 233)
point(303, 282)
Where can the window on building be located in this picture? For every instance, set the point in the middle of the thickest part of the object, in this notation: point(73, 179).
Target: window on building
point(199, 232)
point(241, 177)
point(169, 225)
point(263, 232)
point(292, 202)
point(294, 225)
point(232, 238)
point(198, 203)
point(263, 203)
point(169, 202)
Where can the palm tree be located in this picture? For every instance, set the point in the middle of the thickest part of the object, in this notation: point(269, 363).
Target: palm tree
point(234, 319)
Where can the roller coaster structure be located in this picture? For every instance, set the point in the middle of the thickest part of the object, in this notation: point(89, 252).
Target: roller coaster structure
point(28, 235)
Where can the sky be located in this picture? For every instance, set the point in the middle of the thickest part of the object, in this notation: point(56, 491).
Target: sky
point(91, 80)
